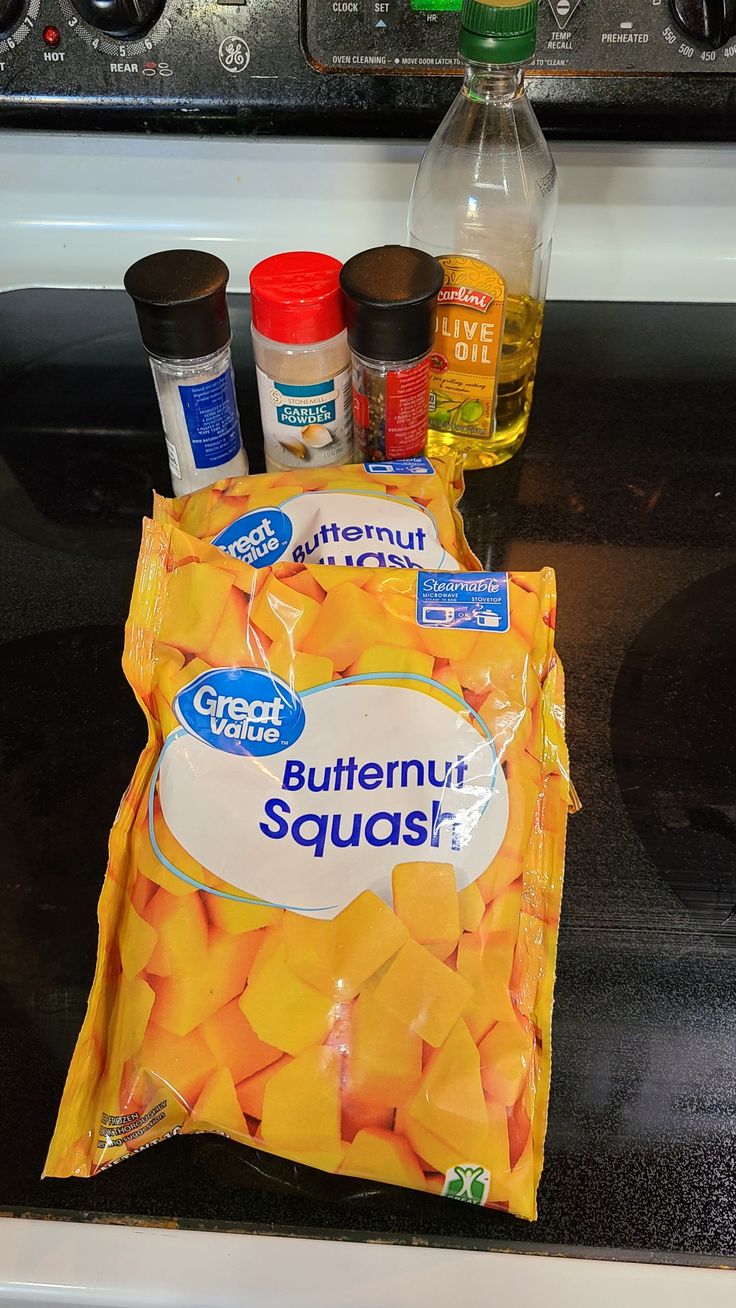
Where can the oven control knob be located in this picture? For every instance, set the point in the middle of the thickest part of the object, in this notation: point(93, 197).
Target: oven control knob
point(10, 12)
point(709, 22)
point(123, 18)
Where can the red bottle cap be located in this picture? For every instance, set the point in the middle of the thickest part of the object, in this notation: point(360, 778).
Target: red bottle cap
point(296, 299)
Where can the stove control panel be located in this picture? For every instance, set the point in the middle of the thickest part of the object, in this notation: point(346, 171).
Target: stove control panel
point(119, 47)
point(349, 66)
point(575, 36)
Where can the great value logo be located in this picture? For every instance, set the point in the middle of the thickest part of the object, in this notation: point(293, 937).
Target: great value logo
point(258, 538)
point(241, 711)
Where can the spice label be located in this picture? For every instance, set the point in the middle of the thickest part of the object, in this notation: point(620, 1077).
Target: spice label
point(211, 415)
point(467, 348)
point(406, 411)
point(174, 463)
point(308, 425)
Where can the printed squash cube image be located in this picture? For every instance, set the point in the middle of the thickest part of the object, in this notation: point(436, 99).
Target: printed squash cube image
point(427, 902)
point(329, 926)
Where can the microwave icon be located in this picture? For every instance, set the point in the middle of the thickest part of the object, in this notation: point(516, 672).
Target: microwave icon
point(437, 615)
point(447, 615)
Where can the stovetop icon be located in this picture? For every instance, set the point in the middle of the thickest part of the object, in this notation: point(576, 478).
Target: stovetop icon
point(488, 618)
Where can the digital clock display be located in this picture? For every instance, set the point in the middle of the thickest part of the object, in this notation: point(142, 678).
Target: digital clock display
point(436, 6)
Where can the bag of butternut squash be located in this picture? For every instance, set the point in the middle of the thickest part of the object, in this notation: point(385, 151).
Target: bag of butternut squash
point(378, 515)
point(329, 922)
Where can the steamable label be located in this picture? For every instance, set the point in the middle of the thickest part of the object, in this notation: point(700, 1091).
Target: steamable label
point(465, 601)
point(306, 426)
point(467, 347)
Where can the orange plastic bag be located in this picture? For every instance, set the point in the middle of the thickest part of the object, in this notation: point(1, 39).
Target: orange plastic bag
point(397, 515)
point(329, 922)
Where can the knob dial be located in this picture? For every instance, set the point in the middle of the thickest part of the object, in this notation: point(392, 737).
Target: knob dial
point(709, 22)
point(10, 12)
point(123, 18)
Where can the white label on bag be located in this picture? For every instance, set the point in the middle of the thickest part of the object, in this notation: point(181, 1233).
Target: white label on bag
point(354, 529)
point(369, 776)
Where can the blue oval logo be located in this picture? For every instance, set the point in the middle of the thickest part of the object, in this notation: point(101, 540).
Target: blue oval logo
point(258, 538)
point(241, 711)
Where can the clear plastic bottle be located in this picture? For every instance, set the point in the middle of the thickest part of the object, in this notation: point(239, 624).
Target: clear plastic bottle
point(390, 299)
point(199, 414)
point(180, 300)
point(484, 203)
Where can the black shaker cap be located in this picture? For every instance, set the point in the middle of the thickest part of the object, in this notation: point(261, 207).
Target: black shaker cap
point(390, 296)
point(179, 297)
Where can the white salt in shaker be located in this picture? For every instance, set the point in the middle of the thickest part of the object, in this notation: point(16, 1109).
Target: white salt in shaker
point(179, 297)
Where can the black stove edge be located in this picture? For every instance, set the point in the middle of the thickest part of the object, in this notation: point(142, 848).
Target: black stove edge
point(526, 1248)
point(684, 108)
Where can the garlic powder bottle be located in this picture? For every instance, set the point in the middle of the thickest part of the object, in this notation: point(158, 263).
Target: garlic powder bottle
point(302, 360)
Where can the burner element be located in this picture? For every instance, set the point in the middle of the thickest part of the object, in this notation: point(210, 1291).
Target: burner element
point(673, 734)
point(70, 730)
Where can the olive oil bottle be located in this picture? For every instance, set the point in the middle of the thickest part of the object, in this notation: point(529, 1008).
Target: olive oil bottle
point(484, 203)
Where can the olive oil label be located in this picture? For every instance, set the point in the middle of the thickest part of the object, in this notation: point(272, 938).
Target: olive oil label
point(467, 347)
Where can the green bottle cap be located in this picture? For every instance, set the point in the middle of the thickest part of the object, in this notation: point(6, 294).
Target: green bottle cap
point(500, 33)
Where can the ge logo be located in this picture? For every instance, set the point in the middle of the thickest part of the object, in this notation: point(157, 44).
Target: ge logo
point(234, 54)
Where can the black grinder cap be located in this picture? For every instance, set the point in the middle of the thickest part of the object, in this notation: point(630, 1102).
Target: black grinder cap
point(179, 297)
point(390, 296)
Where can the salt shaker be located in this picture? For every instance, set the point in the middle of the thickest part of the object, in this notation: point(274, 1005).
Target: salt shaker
point(179, 296)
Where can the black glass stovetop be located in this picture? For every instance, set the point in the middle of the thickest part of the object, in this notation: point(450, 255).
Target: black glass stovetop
point(627, 487)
